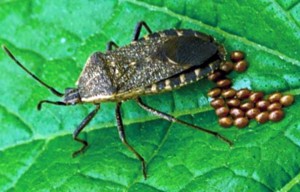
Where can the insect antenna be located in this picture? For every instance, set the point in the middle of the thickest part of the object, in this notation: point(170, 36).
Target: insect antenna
point(55, 92)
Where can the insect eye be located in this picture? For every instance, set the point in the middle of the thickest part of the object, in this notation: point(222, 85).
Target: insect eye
point(72, 96)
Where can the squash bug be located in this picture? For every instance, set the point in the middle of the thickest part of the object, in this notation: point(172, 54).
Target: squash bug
point(159, 62)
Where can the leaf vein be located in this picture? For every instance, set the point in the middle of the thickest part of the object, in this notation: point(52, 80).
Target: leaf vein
point(287, 14)
point(29, 129)
point(254, 44)
point(290, 184)
point(32, 162)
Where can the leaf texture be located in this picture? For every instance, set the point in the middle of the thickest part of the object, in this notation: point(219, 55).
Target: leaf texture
point(54, 39)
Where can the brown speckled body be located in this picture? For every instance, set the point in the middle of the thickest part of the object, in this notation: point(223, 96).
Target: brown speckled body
point(156, 63)
point(159, 62)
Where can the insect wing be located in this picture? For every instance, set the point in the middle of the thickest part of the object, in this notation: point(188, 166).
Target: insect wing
point(166, 59)
point(188, 51)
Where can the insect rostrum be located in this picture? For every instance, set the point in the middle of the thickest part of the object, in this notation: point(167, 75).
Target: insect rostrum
point(156, 63)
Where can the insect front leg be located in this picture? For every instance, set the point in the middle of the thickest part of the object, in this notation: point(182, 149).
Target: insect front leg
point(110, 45)
point(173, 119)
point(138, 29)
point(82, 125)
point(124, 141)
point(39, 106)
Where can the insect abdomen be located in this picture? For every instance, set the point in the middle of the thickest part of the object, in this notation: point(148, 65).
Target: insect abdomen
point(182, 79)
point(198, 52)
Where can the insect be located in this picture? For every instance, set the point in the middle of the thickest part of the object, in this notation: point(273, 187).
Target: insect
point(153, 64)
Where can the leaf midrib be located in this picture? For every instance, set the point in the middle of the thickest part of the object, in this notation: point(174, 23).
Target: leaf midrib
point(108, 125)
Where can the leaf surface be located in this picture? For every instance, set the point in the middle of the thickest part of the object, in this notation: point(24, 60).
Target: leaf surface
point(55, 38)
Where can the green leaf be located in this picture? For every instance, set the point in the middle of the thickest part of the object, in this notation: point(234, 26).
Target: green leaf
point(54, 39)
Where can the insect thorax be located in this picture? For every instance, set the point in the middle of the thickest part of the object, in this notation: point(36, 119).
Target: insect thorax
point(159, 62)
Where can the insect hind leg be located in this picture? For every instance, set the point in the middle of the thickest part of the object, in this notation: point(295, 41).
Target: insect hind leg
point(138, 29)
point(124, 141)
point(173, 119)
point(82, 125)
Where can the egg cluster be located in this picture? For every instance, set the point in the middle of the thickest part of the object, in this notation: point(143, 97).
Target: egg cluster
point(237, 107)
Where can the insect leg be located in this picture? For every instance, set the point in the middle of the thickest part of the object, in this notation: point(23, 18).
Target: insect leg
point(138, 29)
point(110, 45)
point(39, 106)
point(124, 141)
point(82, 125)
point(173, 119)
